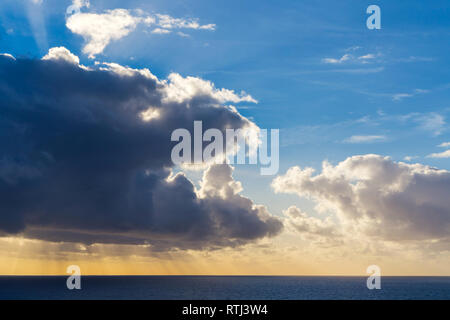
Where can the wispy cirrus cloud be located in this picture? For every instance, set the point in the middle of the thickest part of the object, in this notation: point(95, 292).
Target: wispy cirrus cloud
point(365, 139)
point(167, 22)
point(358, 70)
point(367, 57)
point(432, 122)
point(418, 124)
point(351, 58)
point(410, 158)
point(444, 145)
point(445, 154)
point(354, 62)
point(161, 31)
point(342, 59)
point(416, 59)
point(401, 96)
point(441, 155)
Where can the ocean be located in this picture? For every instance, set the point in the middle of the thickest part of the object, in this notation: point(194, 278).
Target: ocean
point(223, 288)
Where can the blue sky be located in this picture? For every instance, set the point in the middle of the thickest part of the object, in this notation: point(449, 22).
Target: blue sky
point(389, 89)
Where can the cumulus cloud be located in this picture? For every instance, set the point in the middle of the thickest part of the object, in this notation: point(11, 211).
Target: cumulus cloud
point(444, 145)
point(61, 53)
point(80, 161)
point(377, 197)
point(100, 29)
point(179, 89)
point(240, 216)
point(310, 227)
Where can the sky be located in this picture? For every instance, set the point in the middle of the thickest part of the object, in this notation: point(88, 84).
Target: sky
point(364, 170)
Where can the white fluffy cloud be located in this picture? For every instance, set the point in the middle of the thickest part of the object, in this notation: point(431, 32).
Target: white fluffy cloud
point(100, 29)
point(378, 197)
point(61, 53)
point(179, 89)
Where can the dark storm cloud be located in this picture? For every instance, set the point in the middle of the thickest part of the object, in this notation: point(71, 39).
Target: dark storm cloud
point(78, 162)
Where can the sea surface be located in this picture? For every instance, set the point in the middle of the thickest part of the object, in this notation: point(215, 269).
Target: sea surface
point(223, 288)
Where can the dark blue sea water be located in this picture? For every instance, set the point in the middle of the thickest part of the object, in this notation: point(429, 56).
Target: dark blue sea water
point(229, 287)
